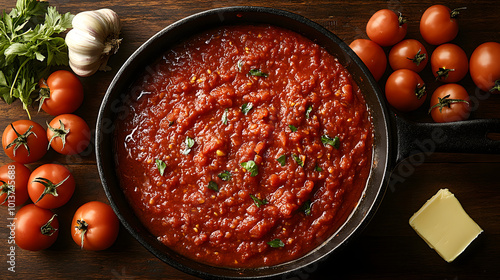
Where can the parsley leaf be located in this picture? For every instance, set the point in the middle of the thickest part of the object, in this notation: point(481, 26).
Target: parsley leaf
point(282, 160)
point(225, 175)
point(245, 108)
point(276, 243)
point(292, 128)
point(306, 207)
point(224, 117)
point(308, 112)
point(161, 165)
point(258, 73)
point(318, 168)
point(258, 202)
point(327, 140)
point(213, 186)
point(299, 159)
point(251, 167)
point(189, 142)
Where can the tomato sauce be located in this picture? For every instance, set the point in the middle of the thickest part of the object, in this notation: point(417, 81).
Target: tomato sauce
point(244, 146)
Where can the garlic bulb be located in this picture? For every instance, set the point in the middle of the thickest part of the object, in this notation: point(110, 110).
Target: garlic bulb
point(92, 40)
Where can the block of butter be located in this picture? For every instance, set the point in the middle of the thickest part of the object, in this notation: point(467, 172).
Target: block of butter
point(444, 225)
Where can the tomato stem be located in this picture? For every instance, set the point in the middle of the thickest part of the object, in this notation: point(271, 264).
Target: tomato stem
point(420, 90)
point(82, 227)
point(446, 101)
point(401, 19)
point(418, 58)
point(6, 189)
point(50, 188)
point(60, 132)
point(496, 86)
point(43, 93)
point(22, 139)
point(442, 73)
point(48, 229)
point(456, 12)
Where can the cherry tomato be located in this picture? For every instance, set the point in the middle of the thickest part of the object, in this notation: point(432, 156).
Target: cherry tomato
point(36, 228)
point(372, 55)
point(405, 90)
point(485, 66)
point(68, 134)
point(386, 28)
point(439, 24)
point(408, 54)
point(24, 141)
point(449, 63)
point(95, 226)
point(450, 103)
point(61, 93)
point(51, 186)
point(14, 184)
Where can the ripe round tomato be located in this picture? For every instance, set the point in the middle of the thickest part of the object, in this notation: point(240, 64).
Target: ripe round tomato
point(386, 28)
point(439, 25)
point(61, 93)
point(95, 226)
point(450, 103)
point(408, 54)
point(485, 66)
point(14, 184)
point(449, 63)
point(51, 186)
point(36, 228)
point(24, 141)
point(372, 55)
point(68, 134)
point(405, 90)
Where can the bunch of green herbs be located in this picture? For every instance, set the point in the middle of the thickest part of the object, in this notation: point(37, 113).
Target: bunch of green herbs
point(30, 43)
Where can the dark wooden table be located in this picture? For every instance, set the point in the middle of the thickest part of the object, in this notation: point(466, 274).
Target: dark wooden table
point(387, 249)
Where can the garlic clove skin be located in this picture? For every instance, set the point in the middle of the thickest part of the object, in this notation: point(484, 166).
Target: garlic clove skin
point(94, 37)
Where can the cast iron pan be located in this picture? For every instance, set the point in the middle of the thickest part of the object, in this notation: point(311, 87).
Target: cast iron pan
point(394, 138)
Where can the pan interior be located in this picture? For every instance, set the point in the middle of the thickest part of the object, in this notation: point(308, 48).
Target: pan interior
point(112, 106)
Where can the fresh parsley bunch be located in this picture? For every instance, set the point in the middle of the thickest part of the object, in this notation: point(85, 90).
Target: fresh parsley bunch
point(29, 46)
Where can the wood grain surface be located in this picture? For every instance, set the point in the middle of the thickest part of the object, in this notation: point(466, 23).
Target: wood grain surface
point(387, 249)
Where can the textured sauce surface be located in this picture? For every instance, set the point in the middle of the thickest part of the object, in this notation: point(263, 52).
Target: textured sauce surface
point(258, 95)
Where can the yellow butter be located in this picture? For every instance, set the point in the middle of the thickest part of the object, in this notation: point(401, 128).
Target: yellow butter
point(444, 225)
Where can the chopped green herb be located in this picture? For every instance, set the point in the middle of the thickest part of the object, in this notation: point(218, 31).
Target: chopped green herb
point(258, 202)
point(318, 168)
point(213, 186)
point(224, 117)
point(189, 142)
point(161, 165)
point(308, 112)
point(258, 73)
point(306, 207)
point(251, 167)
point(334, 142)
point(225, 176)
point(292, 128)
point(245, 108)
point(299, 159)
point(276, 243)
point(282, 160)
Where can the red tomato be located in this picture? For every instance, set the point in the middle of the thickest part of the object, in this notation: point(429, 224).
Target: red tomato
point(51, 186)
point(408, 54)
point(372, 55)
point(485, 66)
point(68, 134)
point(36, 228)
point(449, 63)
point(61, 93)
point(24, 141)
point(386, 28)
point(95, 226)
point(439, 25)
point(405, 90)
point(14, 184)
point(450, 103)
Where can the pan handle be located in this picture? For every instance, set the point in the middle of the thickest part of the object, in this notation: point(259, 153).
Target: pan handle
point(455, 137)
